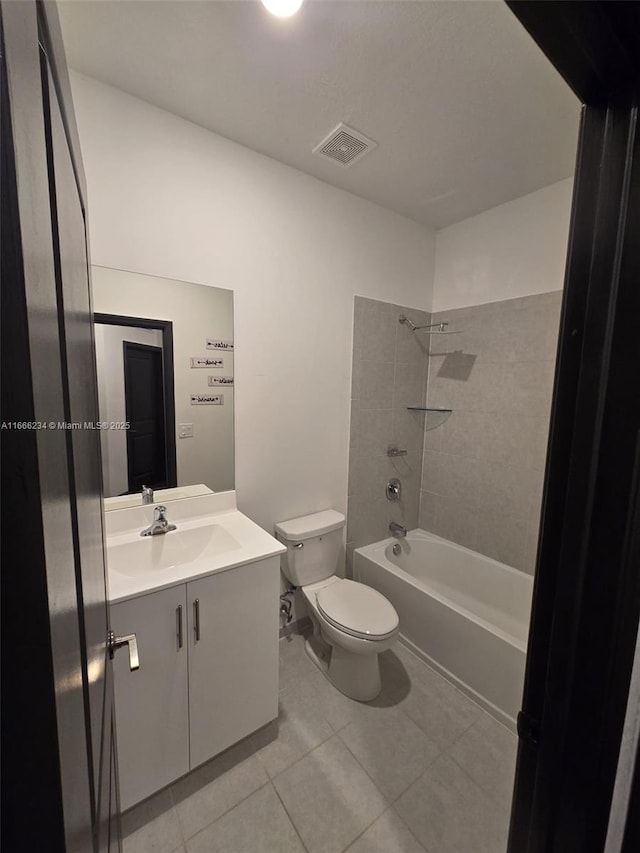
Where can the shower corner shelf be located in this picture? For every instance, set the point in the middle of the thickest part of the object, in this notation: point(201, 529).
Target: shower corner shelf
point(427, 409)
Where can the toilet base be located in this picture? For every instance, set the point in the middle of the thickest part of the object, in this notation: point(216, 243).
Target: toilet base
point(355, 675)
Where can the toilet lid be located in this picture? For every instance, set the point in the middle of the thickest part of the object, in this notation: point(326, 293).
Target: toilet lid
point(358, 609)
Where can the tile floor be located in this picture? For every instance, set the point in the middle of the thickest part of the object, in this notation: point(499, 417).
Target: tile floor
point(421, 768)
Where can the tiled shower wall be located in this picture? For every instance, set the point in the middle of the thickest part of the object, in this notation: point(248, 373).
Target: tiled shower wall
point(479, 480)
point(483, 468)
point(389, 373)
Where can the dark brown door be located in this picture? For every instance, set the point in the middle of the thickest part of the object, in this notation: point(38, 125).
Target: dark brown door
point(586, 607)
point(58, 747)
point(144, 408)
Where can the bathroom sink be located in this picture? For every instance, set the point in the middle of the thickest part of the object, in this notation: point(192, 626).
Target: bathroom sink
point(212, 536)
point(180, 547)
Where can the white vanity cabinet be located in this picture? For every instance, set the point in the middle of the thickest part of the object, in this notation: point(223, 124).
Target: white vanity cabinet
point(233, 656)
point(152, 703)
point(201, 690)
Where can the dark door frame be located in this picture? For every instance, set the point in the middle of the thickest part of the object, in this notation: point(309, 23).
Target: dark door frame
point(60, 791)
point(587, 584)
point(128, 348)
point(166, 327)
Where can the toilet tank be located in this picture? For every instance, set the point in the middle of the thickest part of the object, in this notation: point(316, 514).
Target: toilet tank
point(313, 545)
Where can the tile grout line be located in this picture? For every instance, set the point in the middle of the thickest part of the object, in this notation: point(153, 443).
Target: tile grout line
point(438, 754)
point(409, 830)
point(457, 689)
point(291, 820)
point(226, 812)
point(301, 757)
point(489, 796)
point(448, 753)
point(336, 734)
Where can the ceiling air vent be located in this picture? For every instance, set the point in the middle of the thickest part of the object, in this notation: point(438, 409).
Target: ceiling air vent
point(345, 146)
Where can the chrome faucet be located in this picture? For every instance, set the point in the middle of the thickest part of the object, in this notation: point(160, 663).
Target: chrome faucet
point(398, 530)
point(147, 495)
point(159, 524)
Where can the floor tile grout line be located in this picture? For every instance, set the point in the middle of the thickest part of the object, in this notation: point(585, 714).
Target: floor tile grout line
point(301, 757)
point(406, 825)
point(226, 812)
point(337, 732)
point(389, 800)
point(482, 790)
point(370, 824)
point(291, 820)
point(418, 777)
point(366, 829)
point(452, 685)
point(230, 809)
point(469, 776)
point(386, 799)
point(439, 753)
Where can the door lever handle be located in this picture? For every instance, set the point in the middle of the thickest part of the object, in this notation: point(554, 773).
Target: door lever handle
point(129, 640)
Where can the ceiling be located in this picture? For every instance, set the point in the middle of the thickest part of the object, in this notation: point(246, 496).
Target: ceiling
point(466, 111)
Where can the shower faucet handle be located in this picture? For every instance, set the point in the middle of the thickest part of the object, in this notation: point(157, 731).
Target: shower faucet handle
point(393, 489)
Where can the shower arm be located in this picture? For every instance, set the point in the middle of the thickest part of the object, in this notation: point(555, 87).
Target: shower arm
point(439, 328)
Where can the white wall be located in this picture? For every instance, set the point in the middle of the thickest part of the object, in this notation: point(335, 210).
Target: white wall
point(516, 249)
point(171, 199)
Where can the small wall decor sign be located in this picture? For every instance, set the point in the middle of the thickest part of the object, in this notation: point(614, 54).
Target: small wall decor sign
point(207, 400)
point(207, 361)
point(213, 343)
point(220, 380)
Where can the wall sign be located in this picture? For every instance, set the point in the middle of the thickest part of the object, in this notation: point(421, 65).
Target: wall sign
point(220, 380)
point(207, 400)
point(207, 361)
point(212, 343)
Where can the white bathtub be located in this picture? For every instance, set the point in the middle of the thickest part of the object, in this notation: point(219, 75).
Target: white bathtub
point(463, 613)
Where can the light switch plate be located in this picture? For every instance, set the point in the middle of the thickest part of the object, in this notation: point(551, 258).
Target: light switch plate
point(186, 430)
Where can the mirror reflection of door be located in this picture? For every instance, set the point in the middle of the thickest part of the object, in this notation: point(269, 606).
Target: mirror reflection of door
point(134, 360)
point(144, 410)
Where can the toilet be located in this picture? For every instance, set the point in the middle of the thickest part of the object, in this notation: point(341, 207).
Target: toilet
point(352, 623)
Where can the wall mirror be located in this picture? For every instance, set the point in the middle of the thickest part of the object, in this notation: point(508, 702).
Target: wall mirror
point(165, 364)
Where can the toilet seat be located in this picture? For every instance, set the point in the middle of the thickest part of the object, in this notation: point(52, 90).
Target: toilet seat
point(357, 610)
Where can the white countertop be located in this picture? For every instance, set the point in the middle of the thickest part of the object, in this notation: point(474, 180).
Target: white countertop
point(232, 540)
point(160, 496)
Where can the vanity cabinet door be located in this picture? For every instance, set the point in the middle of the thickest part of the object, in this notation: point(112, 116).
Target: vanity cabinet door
point(152, 707)
point(233, 655)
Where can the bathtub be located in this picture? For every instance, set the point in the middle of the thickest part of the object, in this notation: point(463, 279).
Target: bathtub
point(465, 614)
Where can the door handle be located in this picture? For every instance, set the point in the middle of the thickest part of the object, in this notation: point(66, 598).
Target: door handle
point(179, 624)
point(196, 619)
point(130, 640)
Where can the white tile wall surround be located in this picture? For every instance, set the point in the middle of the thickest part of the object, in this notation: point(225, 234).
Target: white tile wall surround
point(389, 373)
point(474, 476)
point(483, 468)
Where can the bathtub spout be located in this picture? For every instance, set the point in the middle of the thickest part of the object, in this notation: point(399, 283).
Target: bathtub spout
point(398, 530)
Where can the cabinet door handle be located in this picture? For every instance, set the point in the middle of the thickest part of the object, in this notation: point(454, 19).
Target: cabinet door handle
point(196, 618)
point(179, 624)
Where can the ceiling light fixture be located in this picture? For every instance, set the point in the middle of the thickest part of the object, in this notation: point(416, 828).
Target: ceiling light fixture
point(282, 8)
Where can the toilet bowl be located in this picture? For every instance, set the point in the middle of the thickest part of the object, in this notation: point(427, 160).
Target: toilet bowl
point(357, 623)
point(352, 623)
